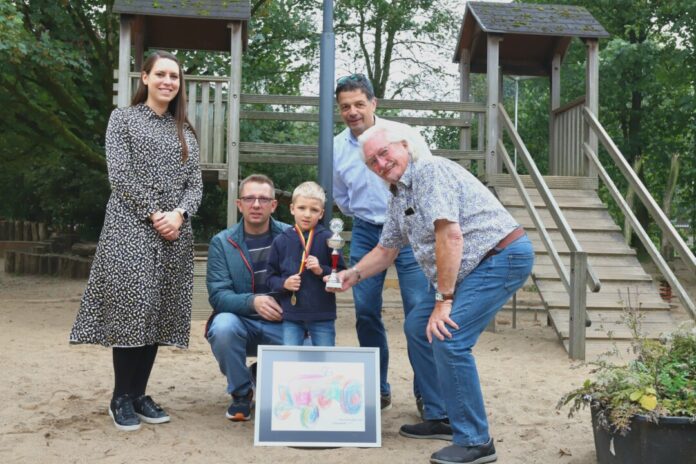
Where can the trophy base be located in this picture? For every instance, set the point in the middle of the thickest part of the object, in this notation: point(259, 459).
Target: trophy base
point(330, 284)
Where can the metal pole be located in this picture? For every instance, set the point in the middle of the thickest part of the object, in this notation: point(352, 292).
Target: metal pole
point(326, 88)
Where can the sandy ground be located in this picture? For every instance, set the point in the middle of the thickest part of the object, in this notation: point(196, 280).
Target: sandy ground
point(55, 396)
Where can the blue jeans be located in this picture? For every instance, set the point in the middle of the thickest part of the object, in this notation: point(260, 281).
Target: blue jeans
point(233, 338)
point(367, 295)
point(477, 299)
point(321, 333)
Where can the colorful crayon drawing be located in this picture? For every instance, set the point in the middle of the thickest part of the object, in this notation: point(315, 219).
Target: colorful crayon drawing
point(318, 396)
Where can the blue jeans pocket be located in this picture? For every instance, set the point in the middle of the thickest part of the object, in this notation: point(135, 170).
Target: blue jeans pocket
point(519, 268)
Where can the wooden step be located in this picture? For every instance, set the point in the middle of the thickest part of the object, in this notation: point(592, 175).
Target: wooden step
point(612, 324)
point(577, 199)
point(578, 220)
point(553, 182)
point(604, 273)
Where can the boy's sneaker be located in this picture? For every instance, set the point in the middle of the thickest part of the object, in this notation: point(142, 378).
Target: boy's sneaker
point(149, 411)
point(122, 412)
point(240, 409)
point(385, 402)
point(429, 429)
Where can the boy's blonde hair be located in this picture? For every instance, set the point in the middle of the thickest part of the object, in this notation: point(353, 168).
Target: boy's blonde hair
point(309, 189)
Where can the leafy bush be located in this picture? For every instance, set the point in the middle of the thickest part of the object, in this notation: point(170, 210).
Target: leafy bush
point(660, 381)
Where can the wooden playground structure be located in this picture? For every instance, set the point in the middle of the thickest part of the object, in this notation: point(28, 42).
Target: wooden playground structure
point(578, 245)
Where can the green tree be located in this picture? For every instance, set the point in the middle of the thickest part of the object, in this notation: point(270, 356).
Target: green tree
point(384, 35)
point(55, 91)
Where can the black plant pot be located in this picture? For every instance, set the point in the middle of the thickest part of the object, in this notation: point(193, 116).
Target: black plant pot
point(671, 441)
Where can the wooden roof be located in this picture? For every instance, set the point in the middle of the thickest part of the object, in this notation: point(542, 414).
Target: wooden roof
point(185, 24)
point(531, 33)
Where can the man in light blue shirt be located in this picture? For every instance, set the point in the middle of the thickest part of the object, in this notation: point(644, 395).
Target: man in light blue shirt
point(363, 196)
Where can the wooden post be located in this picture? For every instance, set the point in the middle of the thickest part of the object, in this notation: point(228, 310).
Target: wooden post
point(124, 58)
point(578, 304)
point(234, 106)
point(493, 78)
point(465, 96)
point(554, 149)
point(592, 95)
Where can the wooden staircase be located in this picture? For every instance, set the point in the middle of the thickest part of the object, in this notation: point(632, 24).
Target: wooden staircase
point(624, 281)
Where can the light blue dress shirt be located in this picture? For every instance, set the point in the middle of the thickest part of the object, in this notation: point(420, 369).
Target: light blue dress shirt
point(357, 191)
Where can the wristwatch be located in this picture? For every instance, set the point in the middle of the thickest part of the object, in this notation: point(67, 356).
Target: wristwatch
point(183, 212)
point(444, 296)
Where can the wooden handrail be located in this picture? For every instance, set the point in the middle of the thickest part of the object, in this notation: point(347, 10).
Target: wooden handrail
point(639, 188)
point(640, 232)
point(550, 202)
point(571, 104)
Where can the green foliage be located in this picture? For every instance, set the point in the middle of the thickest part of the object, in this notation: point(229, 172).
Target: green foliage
point(647, 95)
point(661, 381)
point(55, 91)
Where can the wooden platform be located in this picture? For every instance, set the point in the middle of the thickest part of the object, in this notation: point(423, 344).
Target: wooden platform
point(624, 281)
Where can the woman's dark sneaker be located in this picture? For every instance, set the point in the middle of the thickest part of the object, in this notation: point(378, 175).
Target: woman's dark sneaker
point(122, 412)
point(149, 411)
point(240, 409)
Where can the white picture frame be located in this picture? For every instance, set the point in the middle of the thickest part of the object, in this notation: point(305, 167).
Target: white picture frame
point(314, 396)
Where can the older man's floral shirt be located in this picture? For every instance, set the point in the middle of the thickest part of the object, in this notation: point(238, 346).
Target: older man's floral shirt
point(436, 188)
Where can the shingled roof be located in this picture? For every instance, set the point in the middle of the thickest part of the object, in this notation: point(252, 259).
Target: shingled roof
point(185, 24)
point(213, 9)
point(524, 18)
point(532, 33)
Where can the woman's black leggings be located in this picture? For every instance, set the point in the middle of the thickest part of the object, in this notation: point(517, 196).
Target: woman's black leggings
point(132, 367)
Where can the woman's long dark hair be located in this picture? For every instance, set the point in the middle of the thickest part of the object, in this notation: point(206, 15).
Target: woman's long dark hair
point(177, 107)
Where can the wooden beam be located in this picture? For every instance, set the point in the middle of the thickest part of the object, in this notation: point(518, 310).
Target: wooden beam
point(578, 304)
point(493, 77)
point(314, 117)
point(124, 57)
point(555, 102)
point(465, 96)
point(592, 94)
point(233, 105)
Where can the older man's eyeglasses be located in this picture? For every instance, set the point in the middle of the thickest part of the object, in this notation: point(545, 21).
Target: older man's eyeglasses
point(263, 201)
point(371, 162)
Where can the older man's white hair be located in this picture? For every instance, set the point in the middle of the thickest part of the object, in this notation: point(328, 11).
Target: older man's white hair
point(397, 132)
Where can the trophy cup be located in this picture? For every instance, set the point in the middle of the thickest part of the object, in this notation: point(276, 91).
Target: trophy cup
point(336, 242)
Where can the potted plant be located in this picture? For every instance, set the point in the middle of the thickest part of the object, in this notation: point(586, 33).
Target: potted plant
point(644, 411)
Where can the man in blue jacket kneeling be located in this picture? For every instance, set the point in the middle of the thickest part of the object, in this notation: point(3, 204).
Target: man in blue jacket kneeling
point(244, 314)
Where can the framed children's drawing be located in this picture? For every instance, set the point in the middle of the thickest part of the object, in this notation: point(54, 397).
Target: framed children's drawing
point(317, 396)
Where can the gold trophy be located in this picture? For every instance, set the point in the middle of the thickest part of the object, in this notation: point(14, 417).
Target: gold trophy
point(335, 242)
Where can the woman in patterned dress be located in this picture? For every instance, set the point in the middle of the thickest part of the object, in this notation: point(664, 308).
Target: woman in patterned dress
point(140, 286)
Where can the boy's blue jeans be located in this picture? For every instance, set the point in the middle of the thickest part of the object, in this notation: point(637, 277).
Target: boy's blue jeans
point(321, 333)
point(477, 299)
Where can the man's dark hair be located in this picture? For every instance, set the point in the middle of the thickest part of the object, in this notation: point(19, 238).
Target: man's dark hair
point(353, 82)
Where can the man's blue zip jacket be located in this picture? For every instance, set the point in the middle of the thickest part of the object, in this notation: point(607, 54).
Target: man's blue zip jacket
point(230, 277)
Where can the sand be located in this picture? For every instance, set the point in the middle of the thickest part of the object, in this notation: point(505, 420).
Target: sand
point(54, 396)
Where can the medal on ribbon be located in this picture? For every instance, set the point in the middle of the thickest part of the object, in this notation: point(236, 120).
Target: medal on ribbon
point(306, 247)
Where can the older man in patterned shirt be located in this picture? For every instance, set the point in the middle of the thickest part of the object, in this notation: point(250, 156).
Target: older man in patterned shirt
point(474, 254)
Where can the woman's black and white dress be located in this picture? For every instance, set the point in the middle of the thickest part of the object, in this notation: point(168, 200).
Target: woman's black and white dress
point(140, 285)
